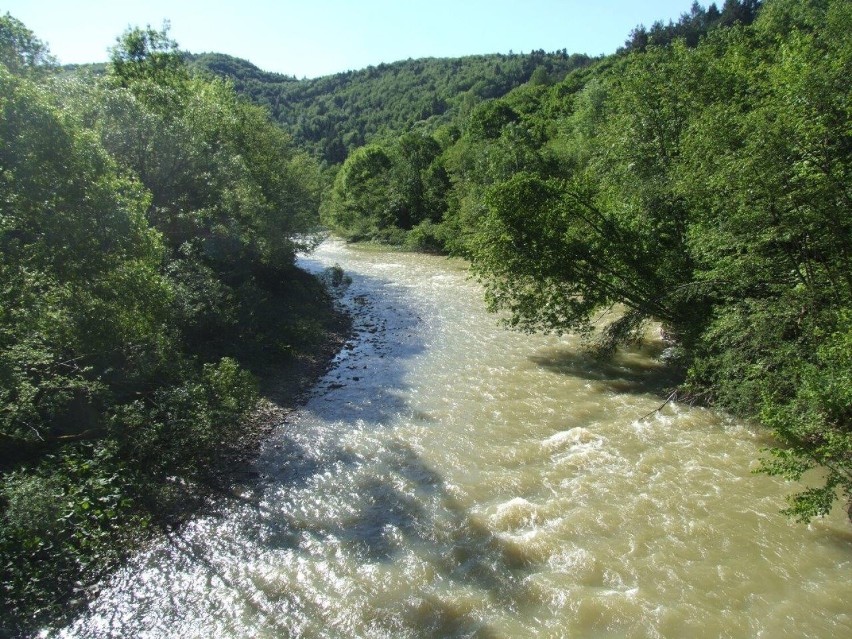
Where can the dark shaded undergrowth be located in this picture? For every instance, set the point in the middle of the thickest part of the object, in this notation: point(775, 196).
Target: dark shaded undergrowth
point(75, 509)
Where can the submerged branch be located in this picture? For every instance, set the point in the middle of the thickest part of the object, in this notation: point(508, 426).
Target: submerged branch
point(672, 397)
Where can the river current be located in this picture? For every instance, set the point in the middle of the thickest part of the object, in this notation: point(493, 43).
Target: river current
point(450, 478)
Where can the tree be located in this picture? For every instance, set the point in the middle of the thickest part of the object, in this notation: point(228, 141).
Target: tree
point(417, 183)
point(219, 170)
point(774, 239)
point(361, 199)
point(146, 54)
point(148, 225)
point(77, 253)
point(540, 77)
point(709, 191)
point(21, 51)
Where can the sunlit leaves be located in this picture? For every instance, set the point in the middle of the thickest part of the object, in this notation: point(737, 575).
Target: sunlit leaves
point(21, 51)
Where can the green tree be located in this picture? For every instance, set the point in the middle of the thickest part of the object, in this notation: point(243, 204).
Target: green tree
point(417, 179)
point(21, 51)
point(774, 236)
point(146, 54)
point(361, 201)
point(217, 167)
point(77, 253)
point(707, 190)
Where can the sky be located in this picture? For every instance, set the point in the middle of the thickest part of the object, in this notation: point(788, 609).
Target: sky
point(312, 38)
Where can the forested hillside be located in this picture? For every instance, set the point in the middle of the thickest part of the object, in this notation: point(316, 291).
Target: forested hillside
point(336, 114)
point(702, 183)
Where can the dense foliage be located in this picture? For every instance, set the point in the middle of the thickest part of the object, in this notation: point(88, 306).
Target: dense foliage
point(333, 115)
point(148, 224)
point(694, 24)
point(704, 184)
point(383, 193)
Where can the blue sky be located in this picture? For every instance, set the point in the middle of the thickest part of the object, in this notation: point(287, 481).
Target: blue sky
point(310, 38)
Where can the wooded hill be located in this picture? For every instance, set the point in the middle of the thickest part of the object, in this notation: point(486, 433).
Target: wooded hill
point(335, 114)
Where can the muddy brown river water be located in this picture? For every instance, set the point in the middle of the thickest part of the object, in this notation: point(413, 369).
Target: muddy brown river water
point(449, 478)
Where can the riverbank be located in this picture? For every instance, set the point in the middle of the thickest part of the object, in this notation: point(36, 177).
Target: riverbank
point(284, 386)
point(53, 571)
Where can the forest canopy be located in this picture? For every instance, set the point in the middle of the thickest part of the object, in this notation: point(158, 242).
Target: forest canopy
point(333, 115)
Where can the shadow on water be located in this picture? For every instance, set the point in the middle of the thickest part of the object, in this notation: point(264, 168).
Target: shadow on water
point(366, 390)
point(367, 380)
point(637, 370)
point(394, 502)
point(386, 523)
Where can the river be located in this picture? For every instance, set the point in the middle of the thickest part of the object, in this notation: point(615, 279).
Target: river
point(449, 478)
